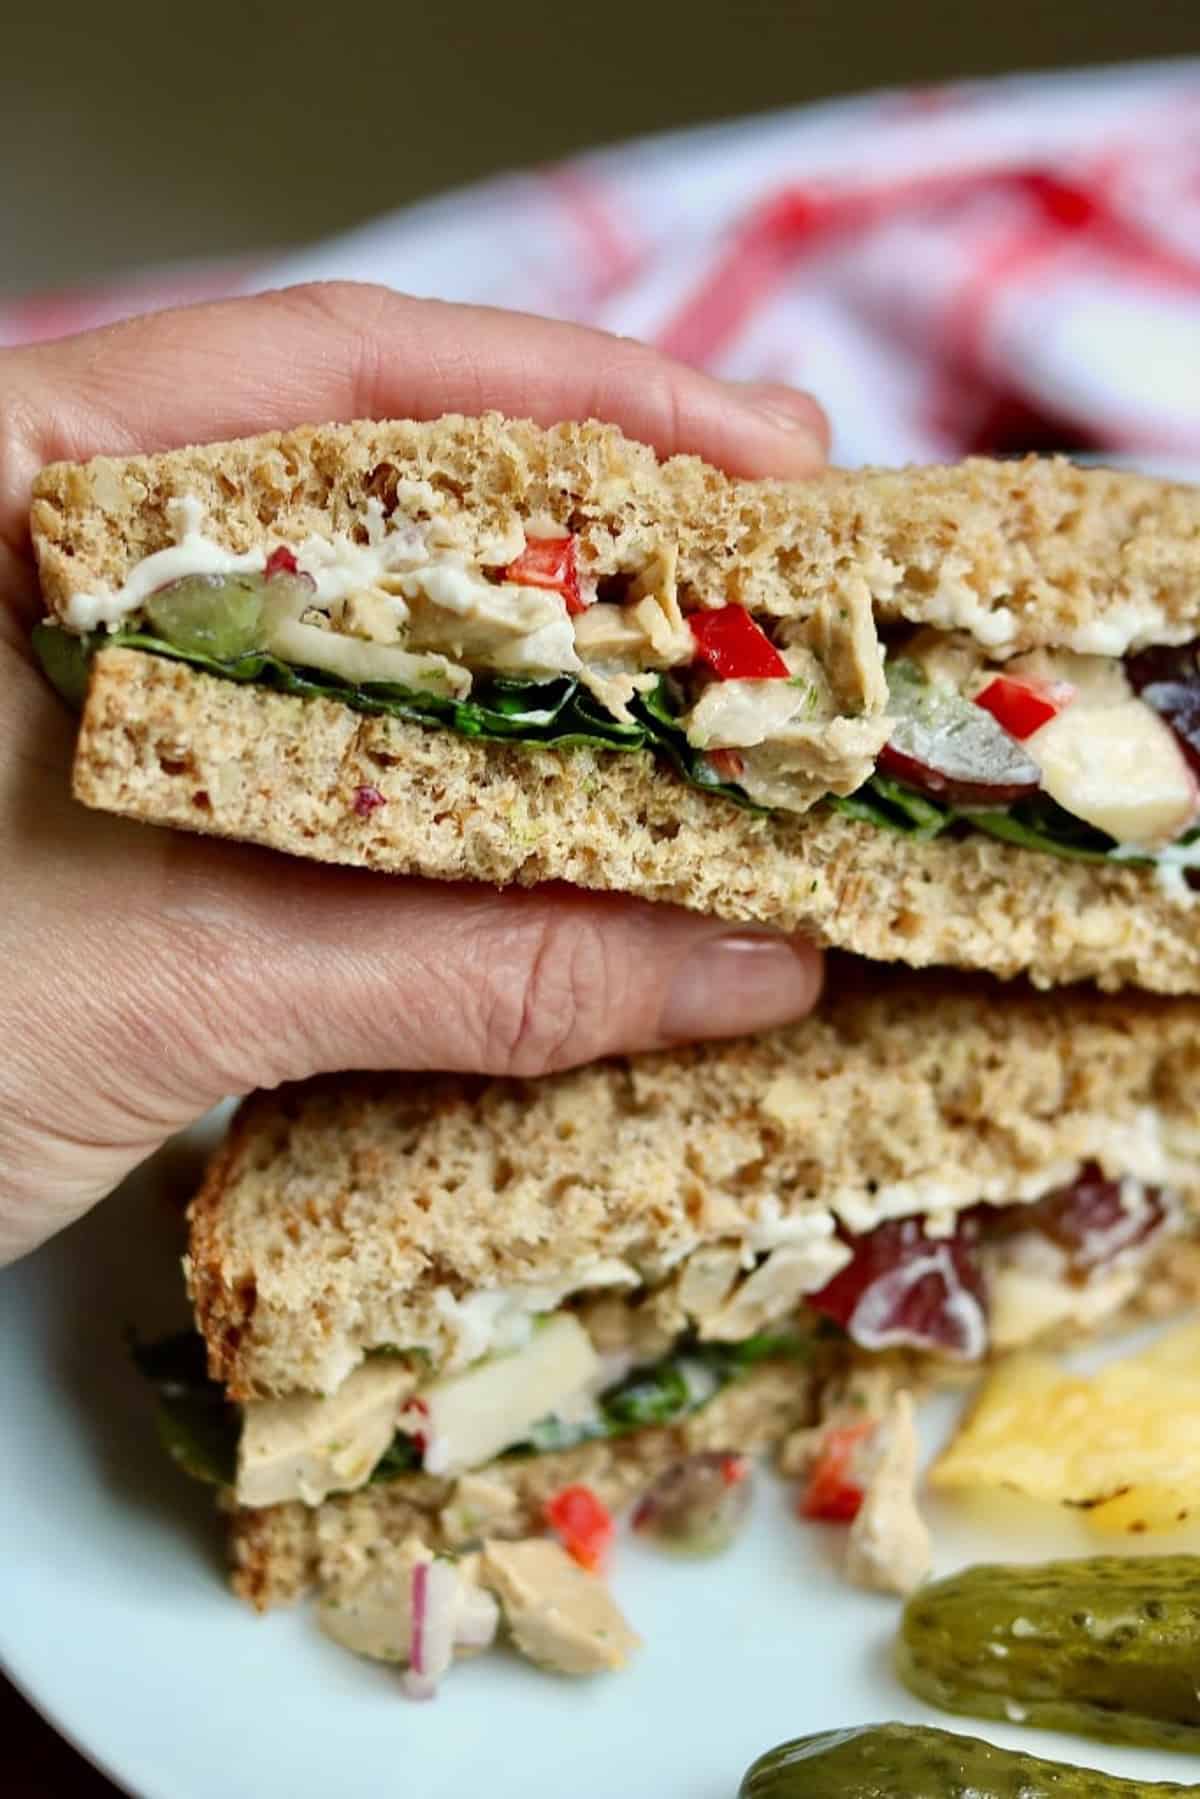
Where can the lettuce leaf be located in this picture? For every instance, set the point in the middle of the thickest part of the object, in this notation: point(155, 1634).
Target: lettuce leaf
point(882, 801)
point(561, 714)
point(668, 1390)
point(197, 1426)
point(558, 713)
point(1038, 823)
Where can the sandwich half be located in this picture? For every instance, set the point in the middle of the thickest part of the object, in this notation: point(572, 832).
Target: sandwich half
point(425, 1307)
point(941, 715)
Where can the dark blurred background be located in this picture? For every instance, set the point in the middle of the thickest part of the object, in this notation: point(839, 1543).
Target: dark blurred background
point(142, 131)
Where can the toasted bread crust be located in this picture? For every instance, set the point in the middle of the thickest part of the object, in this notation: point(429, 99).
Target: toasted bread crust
point(347, 1213)
point(162, 743)
point(279, 1551)
point(1060, 548)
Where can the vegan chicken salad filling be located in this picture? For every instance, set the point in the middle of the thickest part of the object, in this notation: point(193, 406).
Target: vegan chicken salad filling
point(606, 1363)
point(1081, 754)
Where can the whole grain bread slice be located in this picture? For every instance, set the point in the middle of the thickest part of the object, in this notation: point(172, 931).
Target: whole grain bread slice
point(1036, 552)
point(346, 1214)
point(165, 744)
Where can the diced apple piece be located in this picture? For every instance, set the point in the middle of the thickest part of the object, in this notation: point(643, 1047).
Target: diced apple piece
point(1093, 681)
point(1117, 767)
point(468, 1418)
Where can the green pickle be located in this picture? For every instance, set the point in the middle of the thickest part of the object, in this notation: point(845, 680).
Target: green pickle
point(1107, 1645)
point(911, 1761)
point(209, 615)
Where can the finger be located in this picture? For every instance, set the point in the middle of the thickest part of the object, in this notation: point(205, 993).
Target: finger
point(222, 977)
point(340, 351)
point(793, 408)
point(351, 972)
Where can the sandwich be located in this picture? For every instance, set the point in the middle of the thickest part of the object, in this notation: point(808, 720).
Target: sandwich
point(435, 1316)
point(936, 715)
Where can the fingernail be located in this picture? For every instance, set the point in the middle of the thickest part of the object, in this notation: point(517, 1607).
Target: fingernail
point(785, 407)
point(745, 981)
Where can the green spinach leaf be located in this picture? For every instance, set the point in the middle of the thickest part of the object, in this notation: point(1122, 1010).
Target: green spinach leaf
point(558, 713)
point(561, 714)
point(197, 1425)
point(668, 1390)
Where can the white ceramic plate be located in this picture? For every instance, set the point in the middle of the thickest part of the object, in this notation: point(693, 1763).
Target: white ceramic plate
point(115, 1622)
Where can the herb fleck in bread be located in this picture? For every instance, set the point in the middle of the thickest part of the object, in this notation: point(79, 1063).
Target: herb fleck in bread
point(342, 1215)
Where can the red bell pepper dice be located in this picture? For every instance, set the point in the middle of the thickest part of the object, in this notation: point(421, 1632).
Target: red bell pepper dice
point(549, 562)
point(583, 1523)
point(1019, 707)
point(832, 1493)
point(735, 647)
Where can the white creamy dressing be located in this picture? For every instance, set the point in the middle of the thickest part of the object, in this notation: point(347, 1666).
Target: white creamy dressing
point(338, 565)
point(775, 1228)
point(1171, 864)
point(955, 606)
point(936, 1197)
point(502, 1318)
point(192, 553)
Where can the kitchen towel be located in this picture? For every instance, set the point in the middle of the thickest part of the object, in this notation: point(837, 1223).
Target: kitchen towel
point(995, 266)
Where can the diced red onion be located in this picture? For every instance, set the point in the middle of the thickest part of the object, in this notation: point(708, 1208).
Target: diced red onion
point(418, 1686)
point(434, 1597)
point(419, 1599)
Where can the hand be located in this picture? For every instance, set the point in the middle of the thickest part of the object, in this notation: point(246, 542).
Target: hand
point(147, 974)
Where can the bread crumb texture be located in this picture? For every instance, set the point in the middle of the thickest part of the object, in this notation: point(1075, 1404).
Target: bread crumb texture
point(1054, 546)
point(346, 1214)
point(161, 743)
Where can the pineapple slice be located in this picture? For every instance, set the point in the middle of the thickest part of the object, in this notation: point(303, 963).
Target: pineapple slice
point(1124, 1443)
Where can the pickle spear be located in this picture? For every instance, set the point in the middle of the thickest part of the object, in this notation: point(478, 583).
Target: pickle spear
point(910, 1761)
point(1107, 1645)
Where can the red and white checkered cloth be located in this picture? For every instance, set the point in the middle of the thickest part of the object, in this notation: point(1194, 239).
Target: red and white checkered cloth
point(995, 266)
